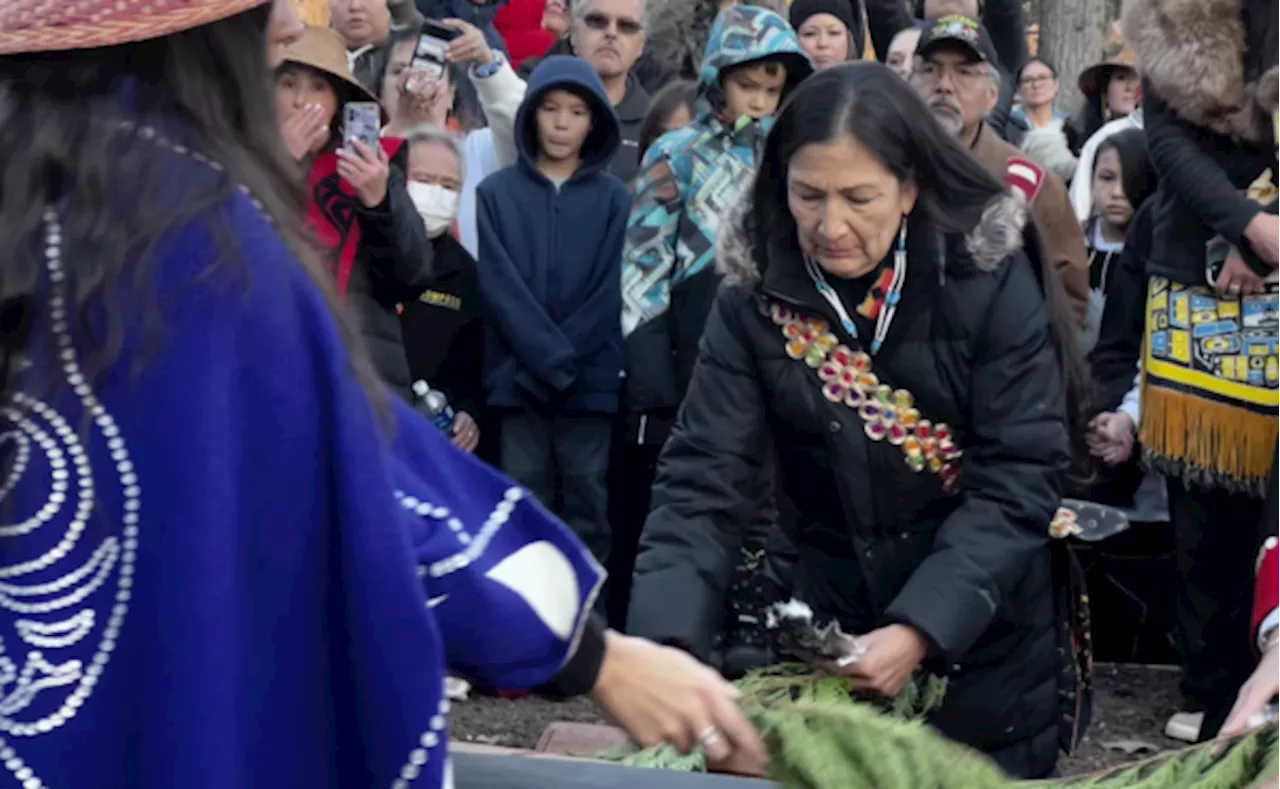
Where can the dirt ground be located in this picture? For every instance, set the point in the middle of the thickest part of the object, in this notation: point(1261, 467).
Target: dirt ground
point(1131, 705)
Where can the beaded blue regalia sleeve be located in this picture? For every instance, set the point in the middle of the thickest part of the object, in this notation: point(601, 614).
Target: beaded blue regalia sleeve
point(510, 587)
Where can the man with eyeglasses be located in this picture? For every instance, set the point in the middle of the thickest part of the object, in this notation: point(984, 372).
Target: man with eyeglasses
point(609, 35)
point(956, 76)
point(1004, 21)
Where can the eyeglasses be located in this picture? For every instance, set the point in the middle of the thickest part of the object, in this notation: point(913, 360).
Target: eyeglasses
point(598, 21)
point(1028, 82)
point(929, 74)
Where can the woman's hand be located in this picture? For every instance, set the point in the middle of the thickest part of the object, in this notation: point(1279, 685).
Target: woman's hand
point(469, 46)
point(1111, 437)
point(1263, 232)
point(422, 100)
point(304, 131)
point(1254, 694)
point(889, 656)
point(466, 433)
point(365, 170)
point(1237, 279)
point(660, 694)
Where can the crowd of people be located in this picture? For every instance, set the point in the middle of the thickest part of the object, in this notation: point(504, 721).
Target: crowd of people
point(726, 313)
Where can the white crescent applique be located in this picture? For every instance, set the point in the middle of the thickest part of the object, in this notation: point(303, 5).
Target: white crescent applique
point(435, 601)
point(544, 579)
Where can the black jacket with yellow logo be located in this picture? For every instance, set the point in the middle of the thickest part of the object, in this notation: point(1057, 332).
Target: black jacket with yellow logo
point(443, 334)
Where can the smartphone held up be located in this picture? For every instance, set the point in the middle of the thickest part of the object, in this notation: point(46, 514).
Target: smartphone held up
point(429, 56)
point(362, 120)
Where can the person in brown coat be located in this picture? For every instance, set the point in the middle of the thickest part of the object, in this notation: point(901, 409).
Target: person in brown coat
point(955, 75)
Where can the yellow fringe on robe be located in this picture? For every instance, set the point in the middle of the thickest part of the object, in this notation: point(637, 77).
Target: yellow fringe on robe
point(1209, 385)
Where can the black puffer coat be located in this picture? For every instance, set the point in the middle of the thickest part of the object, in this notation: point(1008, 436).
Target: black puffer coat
point(879, 543)
point(393, 265)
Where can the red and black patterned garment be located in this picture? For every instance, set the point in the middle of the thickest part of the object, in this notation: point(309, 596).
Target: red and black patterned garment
point(1266, 587)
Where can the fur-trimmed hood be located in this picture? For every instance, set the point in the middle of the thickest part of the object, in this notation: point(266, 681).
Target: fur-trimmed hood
point(1193, 52)
point(997, 235)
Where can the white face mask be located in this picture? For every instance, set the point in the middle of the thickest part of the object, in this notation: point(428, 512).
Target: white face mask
point(437, 206)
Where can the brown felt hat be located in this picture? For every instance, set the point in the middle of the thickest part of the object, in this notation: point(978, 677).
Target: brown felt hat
point(322, 49)
point(62, 25)
point(1116, 56)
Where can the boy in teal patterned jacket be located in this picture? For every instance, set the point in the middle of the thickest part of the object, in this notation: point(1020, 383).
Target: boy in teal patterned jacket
point(688, 181)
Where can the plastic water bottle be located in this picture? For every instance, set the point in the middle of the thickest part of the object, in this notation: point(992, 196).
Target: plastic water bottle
point(434, 405)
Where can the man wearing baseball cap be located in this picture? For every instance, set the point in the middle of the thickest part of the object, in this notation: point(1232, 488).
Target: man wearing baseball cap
point(956, 75)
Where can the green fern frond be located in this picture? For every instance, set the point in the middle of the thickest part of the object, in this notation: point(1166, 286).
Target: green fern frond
point(783, 685)
point(820, 738)
point(664, 757)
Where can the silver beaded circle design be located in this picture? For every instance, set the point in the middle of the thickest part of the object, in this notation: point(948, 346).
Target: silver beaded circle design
point(435, 737)
point(66, 615)
point(473, 547)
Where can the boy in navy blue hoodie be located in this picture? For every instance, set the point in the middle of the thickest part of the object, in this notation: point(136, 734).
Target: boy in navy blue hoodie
point(551, 231)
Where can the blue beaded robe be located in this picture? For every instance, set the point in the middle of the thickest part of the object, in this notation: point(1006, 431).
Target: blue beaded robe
point(218, 566)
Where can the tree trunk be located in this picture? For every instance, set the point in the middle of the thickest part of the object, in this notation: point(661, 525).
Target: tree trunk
point(1071, 36)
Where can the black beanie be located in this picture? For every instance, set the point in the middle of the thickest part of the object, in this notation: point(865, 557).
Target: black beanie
point(840, 9)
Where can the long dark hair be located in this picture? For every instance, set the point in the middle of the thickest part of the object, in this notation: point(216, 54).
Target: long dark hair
point(62, 127)
point(1094, 112)
point(680, 93)
point(1091, 116)
point(886, 116)
point(1137, 175)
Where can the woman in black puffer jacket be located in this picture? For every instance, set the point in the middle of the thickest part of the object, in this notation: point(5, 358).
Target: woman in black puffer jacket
point(1209, 98)
point(357, 203)
point(883, 332)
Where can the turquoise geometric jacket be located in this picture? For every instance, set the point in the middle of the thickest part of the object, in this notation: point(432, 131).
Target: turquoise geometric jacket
point(689, 179)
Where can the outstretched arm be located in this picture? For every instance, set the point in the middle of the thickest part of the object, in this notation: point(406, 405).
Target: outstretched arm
point(488, 553)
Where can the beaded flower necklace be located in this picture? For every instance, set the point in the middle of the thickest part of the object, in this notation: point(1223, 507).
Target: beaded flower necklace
point(887, 413)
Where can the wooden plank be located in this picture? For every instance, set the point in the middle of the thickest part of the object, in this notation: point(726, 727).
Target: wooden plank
point(484, 749)
point(477, 770)
point(581, 739)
